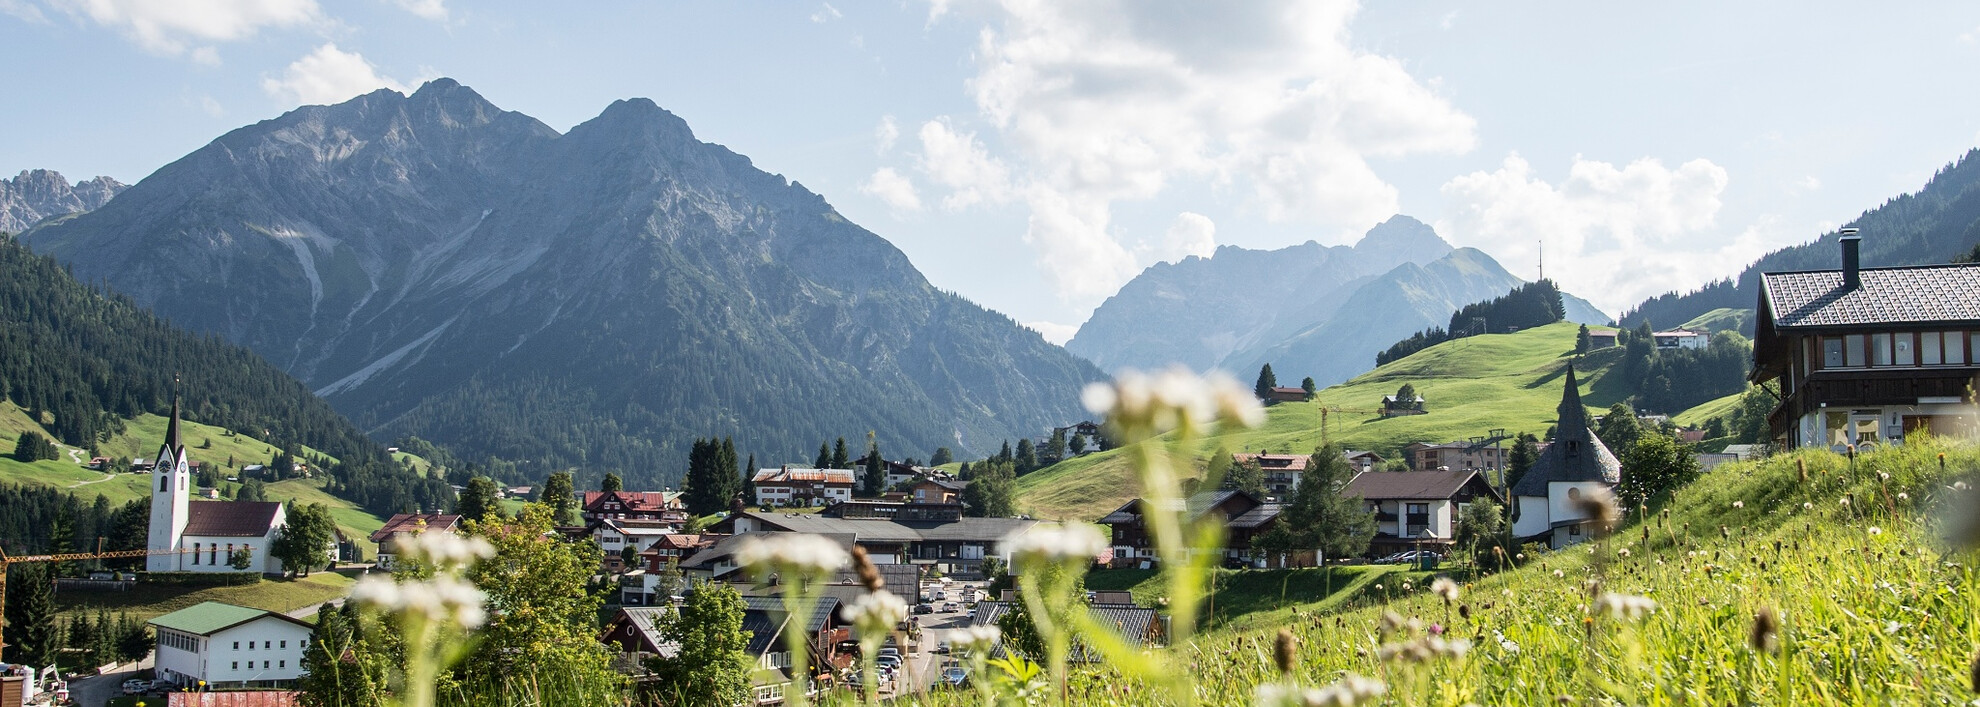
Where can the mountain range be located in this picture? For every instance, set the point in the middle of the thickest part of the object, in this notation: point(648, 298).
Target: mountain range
point(435, 266)
point(1309, 310)
point(36, 195)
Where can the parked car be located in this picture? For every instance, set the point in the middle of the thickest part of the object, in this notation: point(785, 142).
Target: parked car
point(955, 675)
point(136, 687)
point(942, 648)
point(924, 609)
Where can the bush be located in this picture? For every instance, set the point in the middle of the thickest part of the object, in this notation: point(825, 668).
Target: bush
point(200, 579)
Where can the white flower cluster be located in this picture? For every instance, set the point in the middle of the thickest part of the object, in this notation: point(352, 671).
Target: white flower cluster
point(1055, 543)
point(801, 553)
point(442, 598)
point(1445, 588)
point(445, 550)
point(1505, 644)
point(1173, 397)
point(1351, 691)
point(1424, 649)
point(974, 638)
point(876, 613)
point(1624, 606)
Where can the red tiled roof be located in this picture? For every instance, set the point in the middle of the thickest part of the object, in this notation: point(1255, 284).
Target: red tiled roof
point(411, 522)
point(1279, 462)
point(633, 500)
point(787, 475)
point(231, 519)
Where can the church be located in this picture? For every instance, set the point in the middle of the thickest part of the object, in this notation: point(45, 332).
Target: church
point(1546, 499)
point(206, 535)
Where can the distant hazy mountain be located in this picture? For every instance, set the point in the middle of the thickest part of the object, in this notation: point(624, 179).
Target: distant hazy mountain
point(39, 194)
point(1309, 310)
point(436, 266)
point(1928, 226)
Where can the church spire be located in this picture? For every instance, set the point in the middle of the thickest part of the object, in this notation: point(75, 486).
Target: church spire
point(1573, 422)
point(172, 444)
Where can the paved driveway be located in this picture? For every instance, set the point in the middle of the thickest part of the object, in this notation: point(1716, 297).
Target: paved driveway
point(99, 690)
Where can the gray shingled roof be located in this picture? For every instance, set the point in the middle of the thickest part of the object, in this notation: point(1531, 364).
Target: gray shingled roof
point(1922, 294)
point(1380, 485)
point(1576, 454)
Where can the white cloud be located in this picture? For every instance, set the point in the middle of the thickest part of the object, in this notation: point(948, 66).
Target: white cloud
point(435, 10)
point(172, 28)
point(1969, 36)
point(328, 75)
point(886, 133)
point(960, 162)
point(826, 13)
point(23, 11)
point(892, 189)
point(1190, 234)
point(211, 106)
point(1614, 235)
point(1053, 331)
point(1114, 101)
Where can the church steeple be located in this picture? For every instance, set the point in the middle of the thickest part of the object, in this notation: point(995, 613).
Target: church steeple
point(172, 444)
point(1573, 423)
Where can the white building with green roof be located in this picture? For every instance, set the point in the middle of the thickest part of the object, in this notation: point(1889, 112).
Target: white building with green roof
point(227, 646)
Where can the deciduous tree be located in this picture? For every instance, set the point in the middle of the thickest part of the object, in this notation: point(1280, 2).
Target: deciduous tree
point(560, 493)
point(712, 667)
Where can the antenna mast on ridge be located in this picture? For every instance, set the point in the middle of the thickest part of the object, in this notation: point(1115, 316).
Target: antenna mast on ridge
point(1543, 259)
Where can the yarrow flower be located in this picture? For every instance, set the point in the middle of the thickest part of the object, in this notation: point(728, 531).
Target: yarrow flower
point(1351, 691)
point(975, 637)
point(1902, 496)
point(1739, 504)
point(442, 598)
point(1424, 649)
point(801, 553)
point(444, 550)
point(877, 612)
point(1055, 543)
point(1445, 588)
point(1624, 606)
point(1875, 531)
point(1173, 397)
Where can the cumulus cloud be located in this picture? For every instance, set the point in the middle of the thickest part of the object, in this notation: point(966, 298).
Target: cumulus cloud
point(826, 13)
point(175, 28)
point(1053, 331)
point(1614, 235)
point(327, 75)
point(959, 161)
point(1099, 103)
point(886, 133)
point(892, 189)
point(1190, 234)
point(435, 10)
point(23, 11)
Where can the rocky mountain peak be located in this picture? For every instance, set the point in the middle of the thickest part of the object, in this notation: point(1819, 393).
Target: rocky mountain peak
point(1404, 237)
point(38, 194)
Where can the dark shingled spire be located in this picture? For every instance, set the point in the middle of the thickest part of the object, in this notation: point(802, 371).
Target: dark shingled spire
point(172, 448)
point(1576, 454)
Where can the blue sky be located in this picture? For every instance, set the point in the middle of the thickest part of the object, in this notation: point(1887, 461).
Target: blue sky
point(1035, 155)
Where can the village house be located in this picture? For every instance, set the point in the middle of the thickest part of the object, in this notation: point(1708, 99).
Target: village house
point(1363, 460)
point(931, 535)
point(789, 485)
point(1393, 406)
point(1288, 395)
point(1244, 516)
point(401, 525)
point(1866, 356)
point(1547, 500)
point(1682, 339)
point(937, 491)
point(614, 535)
point(227, 646)
point(1453, 456)
point(1139, 626)
point(1282, 472)
point(1092, 431)
point(1601, 338)
point(1418, 509)
point(638, 634)
point(633, 505)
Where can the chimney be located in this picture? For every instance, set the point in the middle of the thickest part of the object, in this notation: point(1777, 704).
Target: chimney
point(1850, 242)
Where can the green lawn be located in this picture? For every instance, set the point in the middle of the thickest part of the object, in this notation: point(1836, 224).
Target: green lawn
point(1471, 385)
point(147, 601)
point(1705, 411)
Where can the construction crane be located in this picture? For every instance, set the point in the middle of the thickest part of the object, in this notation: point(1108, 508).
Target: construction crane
point(7, 561)
point(1326, 437)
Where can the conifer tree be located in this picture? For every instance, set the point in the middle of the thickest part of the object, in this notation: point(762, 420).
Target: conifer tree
point(31, 630)
point(1055, 447)
point(478, 502)
point(1581, 340)
point(749, 480)
point(1027, 457)
point(874, 481)
point(340, 668)
point(1266, 382)
point(824, 456)
point(841, 459)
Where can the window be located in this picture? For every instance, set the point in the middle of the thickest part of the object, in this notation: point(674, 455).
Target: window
point(1880, 349)
point(237, 645)
point(236, 666)
point(212, 553)
point(1853, 350)
point(1905, 355)
point(1930, 348)
point(285, 645)
point(281, 664)
point(195, 553)
point(1975, 338)
point(1832, 352)
point(1574, 530)
point(1956, 348)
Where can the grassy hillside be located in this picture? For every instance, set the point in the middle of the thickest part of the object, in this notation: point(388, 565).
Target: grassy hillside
point(1723, 319)
point(1870, 610)
point(1705, 411)
point(141, 438)
point(147, 601)
point(1471, 386)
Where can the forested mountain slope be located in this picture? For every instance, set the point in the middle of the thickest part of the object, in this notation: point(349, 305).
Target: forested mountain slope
point(435, 266)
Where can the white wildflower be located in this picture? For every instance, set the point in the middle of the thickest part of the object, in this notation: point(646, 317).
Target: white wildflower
point(1424, 649)
point(1845, 502)
point(442, 598)
point(1960, 486)
point(1883, 476)
point(1055, 543)
point(1520, 556)
point(877, 612)
point(1875, 531)
point(1808, 506)
point(982, 637)
point(802, 553)
point(1624, 606)
point(1173, 397)
point(1902, 496)
point(1559, 574)
point(1444, 587)
point(447, 550)
point(1505, 644)
point(1739, 504)
point(1622, 551)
